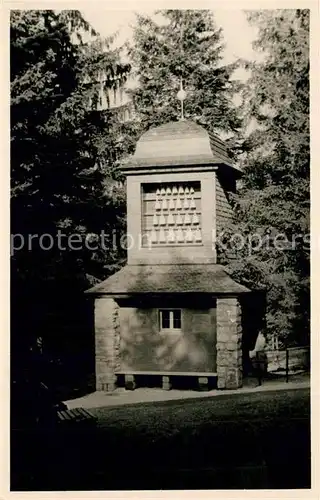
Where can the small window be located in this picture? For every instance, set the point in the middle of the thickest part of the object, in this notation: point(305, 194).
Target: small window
point(176, 319)
point(170, 319)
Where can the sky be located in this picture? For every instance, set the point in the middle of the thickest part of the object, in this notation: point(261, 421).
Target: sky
point(238, 34)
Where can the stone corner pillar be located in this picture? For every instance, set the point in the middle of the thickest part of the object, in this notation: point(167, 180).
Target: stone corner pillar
point(229, 343)
point(106, 324)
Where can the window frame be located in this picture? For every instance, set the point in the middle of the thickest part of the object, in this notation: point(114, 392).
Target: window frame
point(171, 319)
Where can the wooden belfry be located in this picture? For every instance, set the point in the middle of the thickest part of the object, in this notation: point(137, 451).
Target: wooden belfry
point(172, 312)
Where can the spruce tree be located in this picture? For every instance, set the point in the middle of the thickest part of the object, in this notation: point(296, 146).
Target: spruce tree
point(63, 151)
point(63, 177)
point(274, 199)
point(187, 46)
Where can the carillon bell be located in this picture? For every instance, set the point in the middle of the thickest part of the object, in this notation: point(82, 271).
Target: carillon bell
point(171, 236)
point(162, 236)
point(189, 235)
point(187, 219)
point(162, 220)
point(180, 236)
point(179, 220)
point(153, 236)
point(170, 220)
point(195, 219)
point(158, 205)
point(198, 237)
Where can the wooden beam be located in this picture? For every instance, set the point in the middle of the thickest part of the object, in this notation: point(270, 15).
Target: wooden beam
point(169, 373)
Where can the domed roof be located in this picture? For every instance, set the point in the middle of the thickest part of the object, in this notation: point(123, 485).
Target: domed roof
point(177, 144)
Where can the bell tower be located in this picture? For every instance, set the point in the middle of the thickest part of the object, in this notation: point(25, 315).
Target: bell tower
point(172, 311)
point(176, 195)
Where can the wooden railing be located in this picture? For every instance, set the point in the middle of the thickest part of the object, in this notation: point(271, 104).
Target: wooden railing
point(286, 360)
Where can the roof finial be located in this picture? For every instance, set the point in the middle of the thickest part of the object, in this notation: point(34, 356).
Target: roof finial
point(181, 95)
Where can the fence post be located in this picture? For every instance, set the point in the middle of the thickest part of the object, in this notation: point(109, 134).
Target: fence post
point(259, 367)
point(287, 364)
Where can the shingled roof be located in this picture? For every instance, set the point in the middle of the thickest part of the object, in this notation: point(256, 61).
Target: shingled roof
point(174, 278)
point(176, 144)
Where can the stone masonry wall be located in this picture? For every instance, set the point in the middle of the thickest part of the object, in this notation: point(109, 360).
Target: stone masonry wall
point(229, 340)
point(107, 343)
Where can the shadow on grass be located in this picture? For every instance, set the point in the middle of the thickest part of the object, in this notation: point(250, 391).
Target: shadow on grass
point(257, 441)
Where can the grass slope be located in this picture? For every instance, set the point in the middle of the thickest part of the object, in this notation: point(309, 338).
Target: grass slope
point(256, 440)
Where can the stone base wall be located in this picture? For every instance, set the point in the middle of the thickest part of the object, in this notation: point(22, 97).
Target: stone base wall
point(107, 343)
point(229, 344)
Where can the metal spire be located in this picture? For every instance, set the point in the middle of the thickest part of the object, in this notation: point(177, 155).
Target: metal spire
point(181, 95)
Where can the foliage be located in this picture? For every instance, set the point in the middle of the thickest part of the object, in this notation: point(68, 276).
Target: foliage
point(62, 153)
point(274, 197)
point(183, 45)
point(63, 177)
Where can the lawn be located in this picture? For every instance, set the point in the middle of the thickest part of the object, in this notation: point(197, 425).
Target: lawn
point(253, 440)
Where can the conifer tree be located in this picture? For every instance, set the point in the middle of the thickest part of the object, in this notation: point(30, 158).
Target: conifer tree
point(183, 46)
point(62, 150)
point(63, 175)
point(274, 199)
